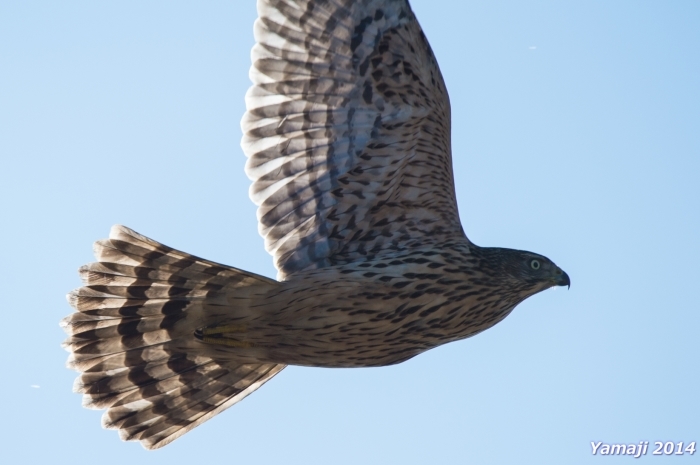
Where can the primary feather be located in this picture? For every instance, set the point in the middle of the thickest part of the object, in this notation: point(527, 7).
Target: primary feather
point(347, 132)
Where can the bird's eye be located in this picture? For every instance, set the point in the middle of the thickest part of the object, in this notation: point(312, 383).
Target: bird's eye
point(535, 264)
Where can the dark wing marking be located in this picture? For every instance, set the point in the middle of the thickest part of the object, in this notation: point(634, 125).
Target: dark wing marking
point(347, 132)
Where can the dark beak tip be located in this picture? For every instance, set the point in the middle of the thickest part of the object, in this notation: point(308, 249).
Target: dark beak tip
point(564, 280)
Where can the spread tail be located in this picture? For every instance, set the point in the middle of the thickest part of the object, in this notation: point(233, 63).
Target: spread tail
point(132, 338)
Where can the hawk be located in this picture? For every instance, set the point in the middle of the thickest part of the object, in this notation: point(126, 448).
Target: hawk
point(347, 134)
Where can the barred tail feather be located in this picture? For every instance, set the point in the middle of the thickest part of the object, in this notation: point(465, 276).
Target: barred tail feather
point(132, 338)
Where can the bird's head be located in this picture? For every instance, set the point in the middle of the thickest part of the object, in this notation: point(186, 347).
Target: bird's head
point(525, 272)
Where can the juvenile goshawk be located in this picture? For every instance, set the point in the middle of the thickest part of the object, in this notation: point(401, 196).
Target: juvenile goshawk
point(347, 133)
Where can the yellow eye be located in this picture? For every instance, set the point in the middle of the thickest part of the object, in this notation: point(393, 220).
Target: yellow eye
point(535, 264)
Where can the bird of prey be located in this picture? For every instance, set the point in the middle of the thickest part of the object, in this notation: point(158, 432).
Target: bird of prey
point(347, 134)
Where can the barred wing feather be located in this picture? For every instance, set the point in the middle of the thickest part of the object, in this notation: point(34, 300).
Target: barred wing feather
point(347, 131)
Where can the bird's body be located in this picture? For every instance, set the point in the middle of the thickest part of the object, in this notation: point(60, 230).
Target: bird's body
point(377, 312)
point(348, 138)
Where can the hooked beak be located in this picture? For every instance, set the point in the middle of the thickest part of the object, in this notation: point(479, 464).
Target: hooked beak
point(562, 279)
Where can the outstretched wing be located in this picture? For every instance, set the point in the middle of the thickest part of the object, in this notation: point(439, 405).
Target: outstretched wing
point(347, 131)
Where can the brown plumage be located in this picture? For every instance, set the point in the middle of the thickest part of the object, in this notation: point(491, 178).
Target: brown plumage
point(347, 133)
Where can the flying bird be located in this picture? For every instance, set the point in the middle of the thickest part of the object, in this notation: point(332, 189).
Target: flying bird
point(347, 134)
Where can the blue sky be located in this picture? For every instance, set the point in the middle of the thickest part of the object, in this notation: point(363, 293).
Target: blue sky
point(575, 135)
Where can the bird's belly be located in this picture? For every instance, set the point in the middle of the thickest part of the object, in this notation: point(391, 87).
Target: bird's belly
point(348, 322)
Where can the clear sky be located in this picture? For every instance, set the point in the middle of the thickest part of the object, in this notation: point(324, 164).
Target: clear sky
point(576, 134)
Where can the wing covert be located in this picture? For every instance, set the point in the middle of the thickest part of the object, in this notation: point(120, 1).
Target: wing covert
point(347, 131)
